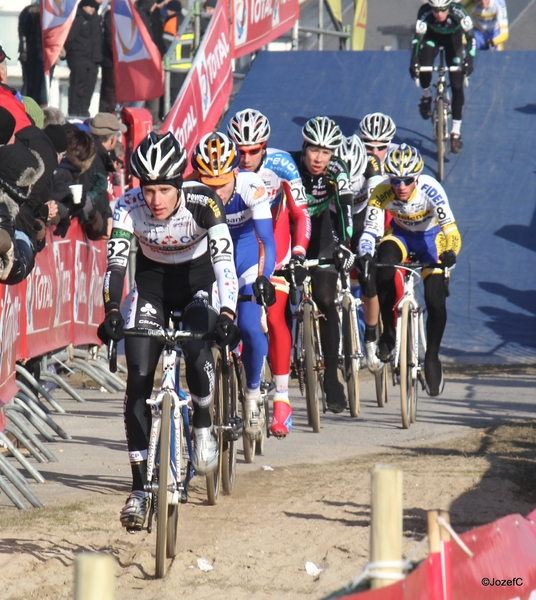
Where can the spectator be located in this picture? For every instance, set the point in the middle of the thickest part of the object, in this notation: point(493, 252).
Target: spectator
point(209, 6)
point(31, 54)
point(10, 98)
point(58, 213)
point(84, 54)
point(107, 100)
point(184, 48)
point(53, 116)
point(20, 168)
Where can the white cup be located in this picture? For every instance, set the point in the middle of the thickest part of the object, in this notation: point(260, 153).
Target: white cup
point(76, 190)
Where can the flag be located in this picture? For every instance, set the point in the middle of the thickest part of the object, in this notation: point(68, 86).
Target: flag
point(335, 9)
point(138, 71)
point(57, 16)
point(360, 25)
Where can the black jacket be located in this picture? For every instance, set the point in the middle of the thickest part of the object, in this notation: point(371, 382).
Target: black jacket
point(84, 43)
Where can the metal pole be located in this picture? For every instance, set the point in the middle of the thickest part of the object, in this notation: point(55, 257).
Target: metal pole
point(296, 36)
point(321, 24)
point(197, 24)
point(167, 85)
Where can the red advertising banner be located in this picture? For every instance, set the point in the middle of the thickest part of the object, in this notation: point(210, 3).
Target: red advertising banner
point(60, 303)
point(208, 86)
point(258, 22)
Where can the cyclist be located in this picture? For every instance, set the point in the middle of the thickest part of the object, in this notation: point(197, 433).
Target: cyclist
point(422, 223)
point(216, 160)
point(377, 131)
point(326, 180)
point(176, 224)
point(443, 23)
point(250, 130)
point(490, 20)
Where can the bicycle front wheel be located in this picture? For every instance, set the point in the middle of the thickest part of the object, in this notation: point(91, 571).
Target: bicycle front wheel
point(311, 373)
point(213, 479)
point(405, 366)
point(380, 379)
point(230, 437)
point(351, 361)
point(440, 138)
point(163, 482)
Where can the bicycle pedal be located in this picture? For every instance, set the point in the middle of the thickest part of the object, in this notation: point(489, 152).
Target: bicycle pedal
point(133, 530)
point(230, 435)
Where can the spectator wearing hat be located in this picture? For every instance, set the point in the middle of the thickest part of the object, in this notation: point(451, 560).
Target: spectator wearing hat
point(84, 54)
point(10, 99)
point(209, 6)
point(20, 168)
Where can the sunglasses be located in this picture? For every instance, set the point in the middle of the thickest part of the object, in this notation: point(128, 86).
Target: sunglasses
point(440, 10)
point(398, 181)
point(376, 147)
point(252, 151)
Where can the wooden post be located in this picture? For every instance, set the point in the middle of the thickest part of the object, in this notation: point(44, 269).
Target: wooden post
point(386, 521)
point(433, 531)
point(94, 576)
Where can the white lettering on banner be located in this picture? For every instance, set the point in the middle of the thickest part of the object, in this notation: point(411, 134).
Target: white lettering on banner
point(63, 294)
point(216, 59)
point(43, 290)
point(9, 328)
point(80, 285)
point(187, 127)
point(261, 10)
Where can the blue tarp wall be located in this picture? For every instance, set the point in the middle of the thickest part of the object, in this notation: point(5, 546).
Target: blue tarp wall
point(491, 185)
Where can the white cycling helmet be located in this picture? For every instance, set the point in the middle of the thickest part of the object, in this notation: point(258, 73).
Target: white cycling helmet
point(249, 127)
point(322, 132)
point(353, 151)
point(377, 127)
point(158, 159)
point(403, 161)
point(439, 4)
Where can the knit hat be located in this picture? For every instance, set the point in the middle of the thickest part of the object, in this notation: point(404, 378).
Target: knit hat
point(174, 5)
point(210, 3)
point(106, 124)
point(3, 55)
point(20, 168)
point(34, 111)
point(7, 125)
point(58, 137)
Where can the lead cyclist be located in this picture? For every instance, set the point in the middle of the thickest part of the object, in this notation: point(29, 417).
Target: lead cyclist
point(185, 251)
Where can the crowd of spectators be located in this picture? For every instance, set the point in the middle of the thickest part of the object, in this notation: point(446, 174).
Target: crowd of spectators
point(51, 171)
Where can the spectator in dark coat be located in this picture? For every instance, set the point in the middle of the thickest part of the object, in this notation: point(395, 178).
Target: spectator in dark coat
point(107, 94)
point(84, 54)
point(31, 54)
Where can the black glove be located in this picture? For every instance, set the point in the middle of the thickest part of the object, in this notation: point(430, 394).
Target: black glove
point(467, 66)
point(63, 226)
point(414, 68)
point(264, 288)
point(490, 44)
point(227, 332)
point(300, 272)
point(343, 258)
point(448, 258)
point(364, 264)
point(112, 327)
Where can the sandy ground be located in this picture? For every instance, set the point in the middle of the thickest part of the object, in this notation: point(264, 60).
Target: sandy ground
point(259, 540)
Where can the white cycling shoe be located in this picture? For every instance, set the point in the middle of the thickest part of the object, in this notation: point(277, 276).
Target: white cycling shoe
point(252, 418)
point(135, 510)
point(373, 362)
point(205, 454)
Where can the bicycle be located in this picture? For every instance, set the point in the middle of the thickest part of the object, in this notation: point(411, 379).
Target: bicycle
point(170, 441)
point(407, 359)
point(441, 111)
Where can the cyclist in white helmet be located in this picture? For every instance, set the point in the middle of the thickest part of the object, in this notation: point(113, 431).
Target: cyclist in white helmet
point(447, 24)
point(326, 180)
point(250, 130)
point(423, 223)
point(184, 249)
point(377, 131)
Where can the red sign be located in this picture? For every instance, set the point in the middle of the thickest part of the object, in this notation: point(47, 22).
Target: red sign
point(208, 86)
point(258, 22)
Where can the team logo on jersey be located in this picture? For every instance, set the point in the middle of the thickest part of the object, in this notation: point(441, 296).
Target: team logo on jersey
point(260, 190)
point(148, 309)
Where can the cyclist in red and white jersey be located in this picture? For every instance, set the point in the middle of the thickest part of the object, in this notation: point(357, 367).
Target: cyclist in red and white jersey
point(250, 130)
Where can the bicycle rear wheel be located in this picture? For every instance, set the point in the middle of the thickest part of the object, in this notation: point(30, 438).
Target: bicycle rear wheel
point(163, 482)
point(440, 138)
point(214, 479)
point(230, 412)
point(182, 464)
point(311, 373)
point(351, 361)
point(405, 365)
point(419, 324)
point(380, 379)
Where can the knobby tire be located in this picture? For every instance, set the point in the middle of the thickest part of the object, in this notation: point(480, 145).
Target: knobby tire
point(351, 361)
point(213, 479)
point(380, 379)
point(163, 481)
point(311, 374)
point(229, 446)
point(440, 138)
point(405, 365)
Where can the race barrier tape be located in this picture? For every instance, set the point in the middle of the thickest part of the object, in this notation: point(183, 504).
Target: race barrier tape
point(59, 304)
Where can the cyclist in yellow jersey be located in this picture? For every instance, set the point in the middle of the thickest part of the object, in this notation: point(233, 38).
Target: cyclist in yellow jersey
point(423, 224)
point(490, 20)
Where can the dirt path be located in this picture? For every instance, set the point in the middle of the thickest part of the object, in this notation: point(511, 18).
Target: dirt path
point(259, 540)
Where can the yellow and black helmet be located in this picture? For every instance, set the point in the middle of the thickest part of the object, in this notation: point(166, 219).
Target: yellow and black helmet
point(403, 161)
point(215, 158)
